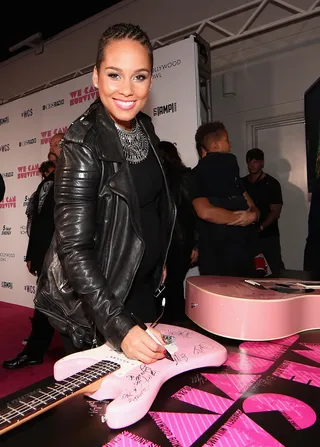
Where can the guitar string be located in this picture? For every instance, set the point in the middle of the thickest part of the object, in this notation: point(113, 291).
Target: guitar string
point(14, 409)
point(12, 412)
point(102, 368)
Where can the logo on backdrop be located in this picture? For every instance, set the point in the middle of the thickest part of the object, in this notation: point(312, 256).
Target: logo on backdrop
point(6, 231)
point(27, 142)
point(46, 135)
point(7, 174)
point(30, 289)
point(159, 69)
point(7, 285)
point(5, 256)
point(51, 105)
point(23, 229)
point(28, 171)
point(27, 113)
point(167, 108)
point(5, 147)
point(4, 120)
point(9, 202)
point(83, 95)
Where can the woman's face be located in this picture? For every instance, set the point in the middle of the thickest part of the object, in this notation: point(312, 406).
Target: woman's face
point(124, 80)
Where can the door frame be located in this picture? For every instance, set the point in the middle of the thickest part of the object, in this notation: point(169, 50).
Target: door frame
point(253, 126)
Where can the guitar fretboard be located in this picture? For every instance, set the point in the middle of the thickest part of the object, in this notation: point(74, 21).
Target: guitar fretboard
point(40, 399)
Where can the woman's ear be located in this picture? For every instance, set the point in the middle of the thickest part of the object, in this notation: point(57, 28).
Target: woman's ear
point(95, 77)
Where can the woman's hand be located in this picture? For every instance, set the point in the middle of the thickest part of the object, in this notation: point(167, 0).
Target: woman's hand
point(138, 345)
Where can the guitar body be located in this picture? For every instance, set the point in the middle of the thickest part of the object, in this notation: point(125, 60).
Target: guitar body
point(231, 308)
point(135, 385)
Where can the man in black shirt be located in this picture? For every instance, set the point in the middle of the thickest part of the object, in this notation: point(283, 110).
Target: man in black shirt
point(225, 210)
point(266, 193)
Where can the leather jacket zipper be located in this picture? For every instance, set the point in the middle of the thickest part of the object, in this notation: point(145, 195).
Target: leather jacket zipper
point(137, 233)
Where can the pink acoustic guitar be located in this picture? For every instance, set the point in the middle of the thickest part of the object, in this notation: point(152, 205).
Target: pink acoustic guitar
point(132, 385)
point(232, 308)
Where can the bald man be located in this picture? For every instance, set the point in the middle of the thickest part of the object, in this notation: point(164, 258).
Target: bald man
point(55, 144)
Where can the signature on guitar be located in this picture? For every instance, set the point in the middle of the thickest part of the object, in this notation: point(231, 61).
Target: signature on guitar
point(201, 347)
point(139, 383)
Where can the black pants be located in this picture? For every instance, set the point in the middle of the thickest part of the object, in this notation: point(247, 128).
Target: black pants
point(41, 336)
point(227, 251)
point(311, 258)
point(178, 264)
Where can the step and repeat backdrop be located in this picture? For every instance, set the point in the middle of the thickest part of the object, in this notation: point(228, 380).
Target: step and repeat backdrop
point(27, 125)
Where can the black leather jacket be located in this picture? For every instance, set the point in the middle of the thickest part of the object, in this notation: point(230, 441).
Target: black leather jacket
point(97, 246)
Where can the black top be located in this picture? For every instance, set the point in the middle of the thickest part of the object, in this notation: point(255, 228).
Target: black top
point(179, 185)
point(42, 223)
point(265, 192)
point(314, 213)
point(148, 182)
point(218, 176)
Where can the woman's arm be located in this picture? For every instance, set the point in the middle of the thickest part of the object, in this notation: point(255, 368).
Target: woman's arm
point(76, 191)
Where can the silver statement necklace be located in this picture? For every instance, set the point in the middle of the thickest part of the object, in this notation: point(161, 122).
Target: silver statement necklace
point(134, 143)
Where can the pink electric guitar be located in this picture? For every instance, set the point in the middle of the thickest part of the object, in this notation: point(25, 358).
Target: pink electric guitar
point(233, 308)
point(132, 385)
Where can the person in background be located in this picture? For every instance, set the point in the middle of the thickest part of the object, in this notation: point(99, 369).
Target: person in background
point(266, 193)
point(183, 251)
point(40, 228)
point(2, 188)
point(225, 209)
point(312, 248)
point(52, 156)
point(55, 145)
point(114, 215)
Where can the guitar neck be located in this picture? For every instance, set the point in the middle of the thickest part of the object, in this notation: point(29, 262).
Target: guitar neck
point(32, 404)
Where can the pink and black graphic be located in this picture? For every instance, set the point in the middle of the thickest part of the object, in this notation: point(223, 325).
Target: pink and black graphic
point(313, 352)
point(288, 341)
point(264, 350)
point(128, 439)
point(245, 388)
point(183, 429)
point(298, 372)
point(234, 385)
point(265, 395)
point(241, 431)
point(203, 400)
point(244, 363)
point(298, 413)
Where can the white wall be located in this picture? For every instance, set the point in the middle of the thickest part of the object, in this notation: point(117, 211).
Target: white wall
point(266, 89)
point(269, 95)
point(76, 48)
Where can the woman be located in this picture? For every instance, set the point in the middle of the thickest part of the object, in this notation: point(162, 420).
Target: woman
point(113, 215)
point(183, 252)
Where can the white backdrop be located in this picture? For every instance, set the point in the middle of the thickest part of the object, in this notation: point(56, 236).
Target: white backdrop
point(27, 124)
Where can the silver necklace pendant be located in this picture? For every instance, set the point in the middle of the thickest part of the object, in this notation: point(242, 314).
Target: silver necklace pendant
point(134, 143)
